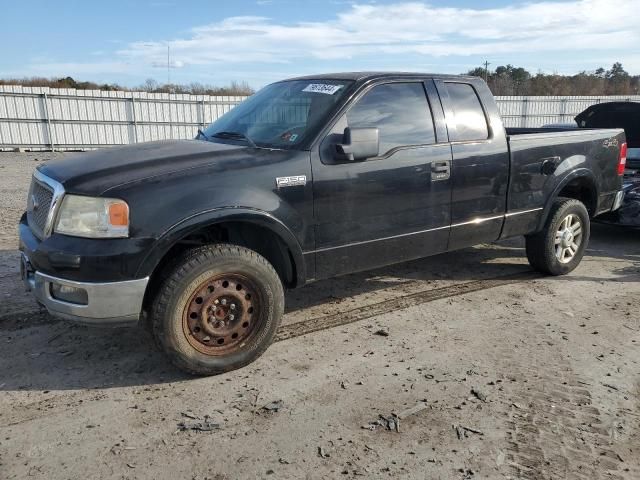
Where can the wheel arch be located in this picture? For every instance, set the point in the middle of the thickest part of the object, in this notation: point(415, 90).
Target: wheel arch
point(246, 227)
point(580, 185)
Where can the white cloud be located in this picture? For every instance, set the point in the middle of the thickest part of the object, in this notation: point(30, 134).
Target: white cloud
point(564, 36)
point(80, 68)
point(408, 28)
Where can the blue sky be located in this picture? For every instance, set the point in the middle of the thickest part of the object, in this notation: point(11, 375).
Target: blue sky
point(260, 41)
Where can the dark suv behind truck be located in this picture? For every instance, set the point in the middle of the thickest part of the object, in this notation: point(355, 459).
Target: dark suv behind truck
point(309, 178)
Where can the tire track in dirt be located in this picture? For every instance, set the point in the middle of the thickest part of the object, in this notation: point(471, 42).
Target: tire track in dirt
point(320, 323)
point(553, 429)
point(10, 320)
point(290, 331)
point(15, 275)
point(28, 412)
point(399, 303)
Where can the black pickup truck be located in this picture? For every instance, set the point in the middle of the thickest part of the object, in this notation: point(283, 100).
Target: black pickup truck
point(307, 179)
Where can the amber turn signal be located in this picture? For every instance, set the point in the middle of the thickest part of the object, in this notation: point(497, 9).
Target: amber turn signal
point(119, 214)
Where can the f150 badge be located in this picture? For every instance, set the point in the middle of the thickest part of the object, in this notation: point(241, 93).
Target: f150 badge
point(292, 181)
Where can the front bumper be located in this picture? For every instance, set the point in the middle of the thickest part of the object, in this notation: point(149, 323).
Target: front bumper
point(106, 304)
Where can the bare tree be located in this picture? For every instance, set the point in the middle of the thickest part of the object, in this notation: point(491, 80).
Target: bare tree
point(510, 80)
point(150, 85)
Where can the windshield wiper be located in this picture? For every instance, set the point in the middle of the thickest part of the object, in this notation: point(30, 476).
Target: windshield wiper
point(201, 134)
point(232, 135)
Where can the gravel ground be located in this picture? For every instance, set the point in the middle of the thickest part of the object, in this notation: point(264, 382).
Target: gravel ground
point(15, 177)
point(494, 372)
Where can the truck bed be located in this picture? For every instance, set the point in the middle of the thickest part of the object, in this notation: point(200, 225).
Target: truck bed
point(540, 156)
point(633, 154)
point(528, 131)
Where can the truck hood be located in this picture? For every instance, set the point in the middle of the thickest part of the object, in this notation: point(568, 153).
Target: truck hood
point(95, 172)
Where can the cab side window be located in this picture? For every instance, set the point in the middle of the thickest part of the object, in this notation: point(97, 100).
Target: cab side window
point(471, 123)
point(401, 113)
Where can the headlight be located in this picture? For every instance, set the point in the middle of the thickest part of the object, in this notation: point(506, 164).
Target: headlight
point(93, 217)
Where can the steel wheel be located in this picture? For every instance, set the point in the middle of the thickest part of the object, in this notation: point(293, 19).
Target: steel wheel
point(568, 238)
point(222, 314)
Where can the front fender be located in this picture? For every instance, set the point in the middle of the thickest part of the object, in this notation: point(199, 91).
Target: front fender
point(211, 217)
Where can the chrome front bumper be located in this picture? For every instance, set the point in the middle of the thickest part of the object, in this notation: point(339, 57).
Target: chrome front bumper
point(108, 304)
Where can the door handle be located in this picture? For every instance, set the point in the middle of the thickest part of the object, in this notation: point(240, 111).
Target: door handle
point(440, 170)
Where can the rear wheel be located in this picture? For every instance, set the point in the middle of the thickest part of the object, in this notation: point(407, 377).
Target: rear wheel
point(218, 309)
point(559, 248)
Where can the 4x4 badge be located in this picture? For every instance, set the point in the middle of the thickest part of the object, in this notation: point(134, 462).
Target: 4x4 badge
point(292, 181)
point(610, 142)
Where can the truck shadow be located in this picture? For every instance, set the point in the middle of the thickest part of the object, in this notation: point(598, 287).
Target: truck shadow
point(485, 261)
point(619, 247)
point(476, 263)
point(41, 353)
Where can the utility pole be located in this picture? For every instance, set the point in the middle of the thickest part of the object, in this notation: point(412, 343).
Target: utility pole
point(486, 71)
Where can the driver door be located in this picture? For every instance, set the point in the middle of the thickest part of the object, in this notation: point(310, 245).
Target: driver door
point(393, 207)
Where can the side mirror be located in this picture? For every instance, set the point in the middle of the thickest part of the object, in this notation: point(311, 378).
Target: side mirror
point(358, 144)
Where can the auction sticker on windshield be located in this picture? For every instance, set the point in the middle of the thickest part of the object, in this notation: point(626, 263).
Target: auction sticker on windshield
point(322, 88)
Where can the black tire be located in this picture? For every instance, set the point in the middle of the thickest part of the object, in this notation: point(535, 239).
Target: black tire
point(197, 280)
point(542, 250)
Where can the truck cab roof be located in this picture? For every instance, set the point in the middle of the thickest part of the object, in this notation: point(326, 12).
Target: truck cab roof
point(368, 76)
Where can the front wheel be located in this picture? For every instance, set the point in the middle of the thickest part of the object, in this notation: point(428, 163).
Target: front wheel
point(560, 246)
point(218, 309)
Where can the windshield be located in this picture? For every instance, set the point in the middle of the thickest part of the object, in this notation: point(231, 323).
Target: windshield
point(281, 115)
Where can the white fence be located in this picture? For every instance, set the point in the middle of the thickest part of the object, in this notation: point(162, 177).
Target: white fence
point(68, 119)
point(537, 111)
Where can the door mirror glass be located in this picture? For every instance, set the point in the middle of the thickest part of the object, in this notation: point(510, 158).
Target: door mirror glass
point(358, 144)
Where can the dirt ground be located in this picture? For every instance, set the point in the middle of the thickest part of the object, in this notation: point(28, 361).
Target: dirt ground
point(493, 371)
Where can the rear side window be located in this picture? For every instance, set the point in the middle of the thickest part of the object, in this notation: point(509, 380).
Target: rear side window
point(399, 110)
point(471, 124)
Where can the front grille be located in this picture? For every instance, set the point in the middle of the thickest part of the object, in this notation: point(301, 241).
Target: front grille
point(38, 205)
